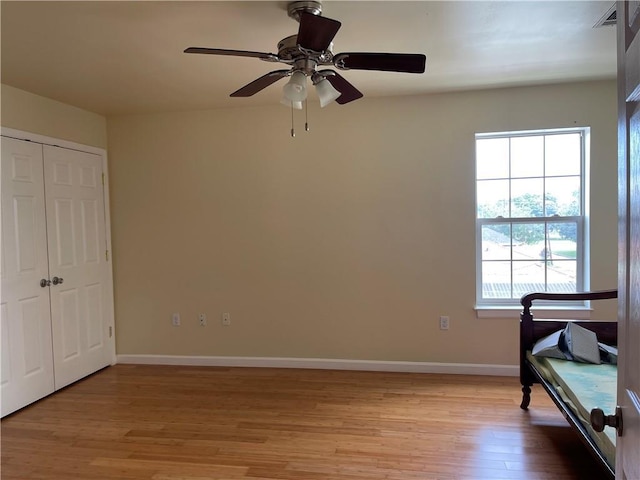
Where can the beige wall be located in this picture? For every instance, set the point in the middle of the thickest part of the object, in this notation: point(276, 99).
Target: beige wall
point(32, 113)
point(346, 242)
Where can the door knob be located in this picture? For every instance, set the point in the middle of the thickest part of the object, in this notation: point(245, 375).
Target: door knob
point(599, 420)
point(45, 282)
point(57, 280)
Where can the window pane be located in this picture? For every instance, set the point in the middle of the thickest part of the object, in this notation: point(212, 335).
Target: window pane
point(528, 241)
point(496, 242)
point(493, 198)
point(562, 253)
point(496, 279)
point(527, 156)
point(528, 276)
point(563, 240)
point(561, 276)
point(562, 154)
point(563, 196)
point(526, 198)
point(492, 158)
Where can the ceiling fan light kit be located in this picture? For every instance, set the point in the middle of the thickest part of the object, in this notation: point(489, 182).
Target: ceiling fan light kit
point(296, 89)
point(288, 103)
point(326, 92)
point(310, 48)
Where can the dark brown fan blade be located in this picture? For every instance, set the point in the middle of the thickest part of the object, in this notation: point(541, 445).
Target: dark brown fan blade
point(316, 32)
point(348, 92)
point(236, 53)
point(260, 83)
point(386, 62)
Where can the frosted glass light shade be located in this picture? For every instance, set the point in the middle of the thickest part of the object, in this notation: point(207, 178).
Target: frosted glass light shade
point(296, 89)
point(288, 103)
point(326, 92)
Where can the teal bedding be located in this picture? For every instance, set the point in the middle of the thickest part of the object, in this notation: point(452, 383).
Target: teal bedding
point(584, 386)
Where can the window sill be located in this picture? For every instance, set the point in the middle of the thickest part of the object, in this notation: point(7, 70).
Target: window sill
point(542, 311)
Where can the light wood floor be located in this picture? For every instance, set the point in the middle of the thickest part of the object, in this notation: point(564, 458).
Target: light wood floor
point(197, 423)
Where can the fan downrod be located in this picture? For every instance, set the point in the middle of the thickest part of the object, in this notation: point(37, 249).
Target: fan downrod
point(294, 9)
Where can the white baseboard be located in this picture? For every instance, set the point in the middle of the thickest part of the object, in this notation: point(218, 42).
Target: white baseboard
point(325, 364)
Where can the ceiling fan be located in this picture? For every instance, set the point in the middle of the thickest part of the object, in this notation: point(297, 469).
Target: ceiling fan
point(310, 49)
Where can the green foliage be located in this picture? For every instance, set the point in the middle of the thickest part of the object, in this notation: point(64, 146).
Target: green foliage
point(528, 233)
point(568, 230)
point(531, 205)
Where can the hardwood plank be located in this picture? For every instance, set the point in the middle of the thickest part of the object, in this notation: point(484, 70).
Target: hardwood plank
point(196, 423)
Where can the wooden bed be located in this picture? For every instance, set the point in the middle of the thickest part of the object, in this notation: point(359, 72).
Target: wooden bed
point(531, 372)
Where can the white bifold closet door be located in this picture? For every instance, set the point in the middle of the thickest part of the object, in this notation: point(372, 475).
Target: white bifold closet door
point(53, 221)
point(77, 248)
point(27, 353)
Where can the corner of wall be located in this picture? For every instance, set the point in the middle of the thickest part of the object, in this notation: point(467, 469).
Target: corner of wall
point(33, 113)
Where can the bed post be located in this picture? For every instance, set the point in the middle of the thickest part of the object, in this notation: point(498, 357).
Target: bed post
point(526, 342)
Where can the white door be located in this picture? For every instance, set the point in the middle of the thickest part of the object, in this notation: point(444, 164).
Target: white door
point(628, 446)
point(78, 266)
point(27, 358)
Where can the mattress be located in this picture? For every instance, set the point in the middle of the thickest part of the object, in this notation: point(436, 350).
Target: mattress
point(584, 386)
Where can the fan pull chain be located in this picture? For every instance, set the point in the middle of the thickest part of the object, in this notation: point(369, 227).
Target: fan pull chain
point(293, 132)
point(306, 117)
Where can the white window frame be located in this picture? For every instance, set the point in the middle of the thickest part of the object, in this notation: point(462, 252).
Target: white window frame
point(497, 307)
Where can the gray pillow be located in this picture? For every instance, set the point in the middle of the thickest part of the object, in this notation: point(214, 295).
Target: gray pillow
point(582, 343)
point(572, 343)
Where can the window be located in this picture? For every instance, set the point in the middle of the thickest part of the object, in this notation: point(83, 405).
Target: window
point(530, 214)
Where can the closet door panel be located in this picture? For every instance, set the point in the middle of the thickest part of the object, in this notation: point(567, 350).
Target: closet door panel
point(95, 309)
point(64, 254)
point(25, 326)
point(90, 216)
point(77, 242)
point(70, 329)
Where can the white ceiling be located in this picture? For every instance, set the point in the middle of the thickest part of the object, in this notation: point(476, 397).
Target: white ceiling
point(114, 57)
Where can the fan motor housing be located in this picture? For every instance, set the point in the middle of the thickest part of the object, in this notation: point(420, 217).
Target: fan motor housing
point(288, 48)
point(289, 52)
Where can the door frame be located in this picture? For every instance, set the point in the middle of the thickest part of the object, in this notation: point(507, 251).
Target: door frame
point(57, 142)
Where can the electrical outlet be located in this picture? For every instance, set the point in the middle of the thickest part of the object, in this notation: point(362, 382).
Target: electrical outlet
point(202, 318)
point(444, 323)
point(226, 319)
point(175, 319)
